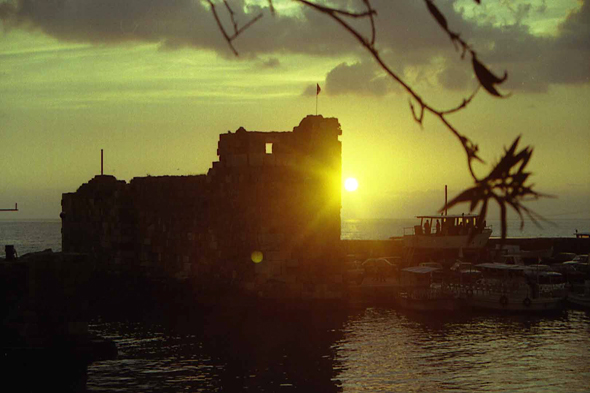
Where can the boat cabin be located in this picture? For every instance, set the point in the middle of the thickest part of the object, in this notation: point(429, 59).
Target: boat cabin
point(448, 232)
point(419, 276)
point(449, 225)
point(501, 270)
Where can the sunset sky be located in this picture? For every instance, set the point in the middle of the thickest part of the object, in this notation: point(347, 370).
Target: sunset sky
point(153, 83)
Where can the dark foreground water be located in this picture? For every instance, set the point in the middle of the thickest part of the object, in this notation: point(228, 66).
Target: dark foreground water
point(355, 350)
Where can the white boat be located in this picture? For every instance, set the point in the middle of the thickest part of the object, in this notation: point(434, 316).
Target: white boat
point(422, 290)
point(516, 288)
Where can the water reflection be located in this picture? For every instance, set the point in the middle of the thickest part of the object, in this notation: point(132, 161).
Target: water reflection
point(386, 350)
point(359, 350)
point(237, 350)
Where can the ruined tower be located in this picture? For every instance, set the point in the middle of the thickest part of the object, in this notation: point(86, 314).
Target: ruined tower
point(268, 209)
point(281, 195)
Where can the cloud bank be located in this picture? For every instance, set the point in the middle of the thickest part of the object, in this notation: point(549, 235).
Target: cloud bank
point(407, 36)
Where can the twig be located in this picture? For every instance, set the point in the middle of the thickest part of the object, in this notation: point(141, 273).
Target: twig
point(505, 183)
point(237, 30)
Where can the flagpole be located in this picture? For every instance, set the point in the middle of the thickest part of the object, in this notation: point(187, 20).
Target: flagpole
point(317, 93)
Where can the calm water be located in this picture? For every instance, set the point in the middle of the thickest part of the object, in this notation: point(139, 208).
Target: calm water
point(30, 235)
point(362, 349)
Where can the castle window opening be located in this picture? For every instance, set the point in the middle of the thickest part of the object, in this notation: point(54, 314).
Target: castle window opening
point(269, 148)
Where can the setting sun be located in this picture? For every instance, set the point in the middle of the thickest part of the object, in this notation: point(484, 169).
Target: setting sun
point(351, 184)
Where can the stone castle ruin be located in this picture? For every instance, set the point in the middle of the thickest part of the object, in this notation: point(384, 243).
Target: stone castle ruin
point(268, 212)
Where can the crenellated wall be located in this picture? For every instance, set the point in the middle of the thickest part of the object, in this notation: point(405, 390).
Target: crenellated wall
point(276, 193)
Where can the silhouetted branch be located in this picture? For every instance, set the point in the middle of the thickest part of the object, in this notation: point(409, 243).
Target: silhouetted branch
point(465, 102)
point(485, 77)
point(469, 147)
point(505, 183)
point(237, 30)
point(372, 14)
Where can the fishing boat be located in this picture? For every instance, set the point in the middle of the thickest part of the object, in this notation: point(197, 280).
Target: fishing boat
point(516, 288)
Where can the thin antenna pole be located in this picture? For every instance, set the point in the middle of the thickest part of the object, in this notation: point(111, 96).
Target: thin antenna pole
point(316, 104)
point(101, 163)
point(317, 93)
point(446, 200)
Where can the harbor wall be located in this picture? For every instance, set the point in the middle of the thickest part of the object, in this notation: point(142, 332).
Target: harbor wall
point(267, 211)
point(360, 249)
point(556, 244)
point(363, 249)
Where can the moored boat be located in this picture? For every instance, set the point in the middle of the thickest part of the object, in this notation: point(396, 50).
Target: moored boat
point(448, 232)
point(516, 288)
point(445, 237)
point(422, 290)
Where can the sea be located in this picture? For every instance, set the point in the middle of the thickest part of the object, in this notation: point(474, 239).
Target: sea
point(319, 348)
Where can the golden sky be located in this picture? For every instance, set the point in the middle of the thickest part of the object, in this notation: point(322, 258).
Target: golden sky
point(153, 83)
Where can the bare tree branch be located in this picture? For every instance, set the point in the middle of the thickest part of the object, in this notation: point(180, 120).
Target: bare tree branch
point(237, 30)
point(505, 183)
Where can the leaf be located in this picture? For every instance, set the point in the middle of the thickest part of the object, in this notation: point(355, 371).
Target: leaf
point(440, 18)
point(486, 78)
point(467, 195)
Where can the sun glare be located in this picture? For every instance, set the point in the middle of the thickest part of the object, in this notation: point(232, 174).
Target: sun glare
point(351, 184)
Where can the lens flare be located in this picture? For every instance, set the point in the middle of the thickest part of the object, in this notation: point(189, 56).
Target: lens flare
point(257, 256)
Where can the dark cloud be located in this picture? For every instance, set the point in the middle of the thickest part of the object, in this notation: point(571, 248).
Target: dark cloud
point(271, 62)
point(407, 35)
point(174, 24)
point(535, 62)
point(113, 21)
point(456, 76)
point(357, 78)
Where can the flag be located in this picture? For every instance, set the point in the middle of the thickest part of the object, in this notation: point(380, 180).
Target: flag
point(318, 89)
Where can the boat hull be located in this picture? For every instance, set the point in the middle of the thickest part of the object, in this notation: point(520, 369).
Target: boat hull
point(434, 241)
point(505, 303)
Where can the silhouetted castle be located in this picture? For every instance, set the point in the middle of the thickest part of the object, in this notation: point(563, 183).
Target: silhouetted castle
point(276, 193)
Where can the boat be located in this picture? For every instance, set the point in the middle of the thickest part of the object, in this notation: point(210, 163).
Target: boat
point(447, 232)
point(445, 237)
point(516, 288)
point(513, 255)
point(373, 280)
point(422, 289)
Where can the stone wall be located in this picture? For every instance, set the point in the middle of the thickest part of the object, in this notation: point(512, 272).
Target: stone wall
point(275, 194)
